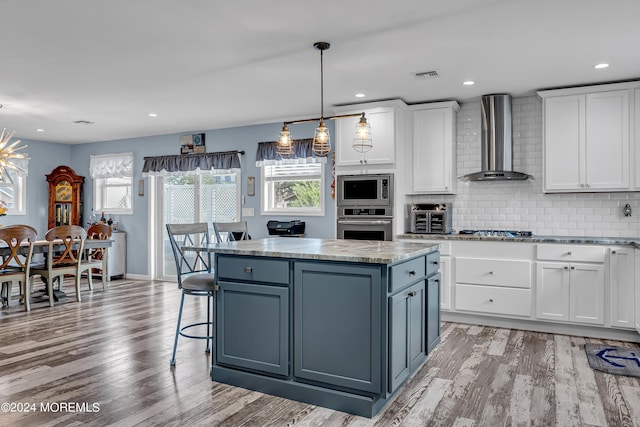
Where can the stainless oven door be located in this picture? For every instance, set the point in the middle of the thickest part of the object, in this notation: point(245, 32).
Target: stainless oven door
point(365, 229)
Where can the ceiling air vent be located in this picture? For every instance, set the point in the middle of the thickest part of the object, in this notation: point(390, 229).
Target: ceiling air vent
point(424, 75)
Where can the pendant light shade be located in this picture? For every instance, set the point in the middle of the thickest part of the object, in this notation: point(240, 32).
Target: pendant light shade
point(284, 147)
point(362, 140)
point(321, 139)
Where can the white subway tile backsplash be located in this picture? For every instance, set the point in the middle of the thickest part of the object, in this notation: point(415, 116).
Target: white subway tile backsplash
point(522, 205)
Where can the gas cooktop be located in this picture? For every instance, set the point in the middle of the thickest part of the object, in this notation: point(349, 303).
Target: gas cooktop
point(497, 233)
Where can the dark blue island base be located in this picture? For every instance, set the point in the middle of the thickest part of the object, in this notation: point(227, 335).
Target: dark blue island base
point(327, 328)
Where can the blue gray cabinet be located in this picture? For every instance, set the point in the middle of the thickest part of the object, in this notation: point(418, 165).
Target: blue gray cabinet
point(406, 333)
point(433, 312)
point(340, 334)
point(337, 329)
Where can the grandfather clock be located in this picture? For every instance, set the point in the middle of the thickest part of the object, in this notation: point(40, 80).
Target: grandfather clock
point(65, 197)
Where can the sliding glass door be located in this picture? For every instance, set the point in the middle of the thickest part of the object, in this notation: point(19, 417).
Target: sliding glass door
point(205, 197)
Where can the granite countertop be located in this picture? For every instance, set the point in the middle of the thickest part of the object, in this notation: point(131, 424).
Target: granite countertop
point(533, 239)
point(364, 251)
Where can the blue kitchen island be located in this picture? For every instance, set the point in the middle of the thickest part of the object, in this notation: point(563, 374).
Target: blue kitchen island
point(335, 323)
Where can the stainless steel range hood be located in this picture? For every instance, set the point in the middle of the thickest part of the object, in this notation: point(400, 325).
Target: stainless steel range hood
point(496, 154)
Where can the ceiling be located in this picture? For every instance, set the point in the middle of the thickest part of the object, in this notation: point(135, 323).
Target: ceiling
point(203, 64)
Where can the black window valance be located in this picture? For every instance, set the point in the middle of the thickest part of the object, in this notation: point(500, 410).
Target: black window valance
point(267, 153)
point(185, 163)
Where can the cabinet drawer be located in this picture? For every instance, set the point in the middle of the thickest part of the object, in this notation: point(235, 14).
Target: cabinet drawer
point(494, 272)
point(249, 269)
point(406, 273)
point(433, 263)
point(582, 253)
point(493, 300)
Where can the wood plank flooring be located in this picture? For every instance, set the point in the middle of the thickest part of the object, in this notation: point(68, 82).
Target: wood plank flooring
point(109, 356)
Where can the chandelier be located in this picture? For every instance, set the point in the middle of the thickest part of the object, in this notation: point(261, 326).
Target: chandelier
point(321, 139)
point(8, 154)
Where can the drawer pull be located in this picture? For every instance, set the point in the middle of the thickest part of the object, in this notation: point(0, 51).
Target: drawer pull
point(491, 272)
point(412, 273)
point(573, 268)
point(613, 252)
point(490, 299)
point(436, 262)
point(566, 268)
point(412, 294)
point(569, 253)
point(248, 269)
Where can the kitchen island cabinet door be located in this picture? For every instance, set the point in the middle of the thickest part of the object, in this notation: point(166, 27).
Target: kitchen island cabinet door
point(337, 324)
point(253, 327)
point(406, 333)
point(433, 312)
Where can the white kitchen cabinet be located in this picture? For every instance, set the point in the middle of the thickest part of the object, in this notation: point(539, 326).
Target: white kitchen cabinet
point(586, 141)
point(621, 287)
point(386, 120)
point(433, 155)
point(636, 145)
point(637, 290)
point(117, 255)
point(570, 292)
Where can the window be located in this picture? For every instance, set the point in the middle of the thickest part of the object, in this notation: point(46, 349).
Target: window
point(14, 195)
point(293, 189)
point(112, 183)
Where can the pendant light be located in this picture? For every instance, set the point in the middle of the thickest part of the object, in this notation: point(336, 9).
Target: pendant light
point(8, 154)
point(321, 145)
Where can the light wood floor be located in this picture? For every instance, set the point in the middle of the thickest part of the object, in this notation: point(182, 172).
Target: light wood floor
point(111, 353)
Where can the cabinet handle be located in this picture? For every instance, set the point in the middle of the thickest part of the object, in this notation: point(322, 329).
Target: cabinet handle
point(412, 293)
point(412, 273)
point(490, 299)
point(435, 262)
point(569, 253)
point(566, 268)
point(491, 272)
point(613, 252)
point(573, 268)
point(248, 269)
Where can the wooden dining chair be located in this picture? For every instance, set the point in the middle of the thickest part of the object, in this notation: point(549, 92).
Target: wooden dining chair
point(195, 276)
point(15, 266)
point(230, 231)
point(64, 254)
point(96, 258)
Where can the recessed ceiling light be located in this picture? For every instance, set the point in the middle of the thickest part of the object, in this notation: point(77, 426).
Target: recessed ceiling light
point(39, 130)
point(599, 66)
point(360, 95)
point(153, 115)
point(468, 82)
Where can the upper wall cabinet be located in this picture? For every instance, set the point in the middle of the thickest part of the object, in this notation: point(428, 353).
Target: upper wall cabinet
point(433, 155)
point(586, 139)
point(387, 126)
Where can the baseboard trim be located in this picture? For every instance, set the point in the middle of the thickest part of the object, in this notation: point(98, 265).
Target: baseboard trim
point(541, 326)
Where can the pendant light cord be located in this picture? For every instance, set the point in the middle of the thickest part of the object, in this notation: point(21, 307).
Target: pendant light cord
point(321, 86)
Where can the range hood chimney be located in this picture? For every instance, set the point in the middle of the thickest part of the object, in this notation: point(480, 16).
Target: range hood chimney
point(496, 150)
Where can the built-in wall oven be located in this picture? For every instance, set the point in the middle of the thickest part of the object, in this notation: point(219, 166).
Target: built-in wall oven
point(365, 207)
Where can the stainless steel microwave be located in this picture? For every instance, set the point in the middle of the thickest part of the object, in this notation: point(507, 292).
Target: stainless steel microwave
point(365, 190)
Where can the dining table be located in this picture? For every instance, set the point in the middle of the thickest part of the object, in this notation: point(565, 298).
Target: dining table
point(42, 247)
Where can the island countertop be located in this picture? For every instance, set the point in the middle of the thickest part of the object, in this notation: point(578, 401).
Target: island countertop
point(362, 251)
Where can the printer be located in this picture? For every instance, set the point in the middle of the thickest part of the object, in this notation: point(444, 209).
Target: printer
point(286, 228)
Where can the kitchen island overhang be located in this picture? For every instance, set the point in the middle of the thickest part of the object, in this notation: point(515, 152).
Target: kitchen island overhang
point(337, 323)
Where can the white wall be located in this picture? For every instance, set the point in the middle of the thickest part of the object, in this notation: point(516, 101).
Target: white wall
point(522, 205)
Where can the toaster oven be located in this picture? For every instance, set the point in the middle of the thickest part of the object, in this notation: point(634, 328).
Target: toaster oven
point(431, 218)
